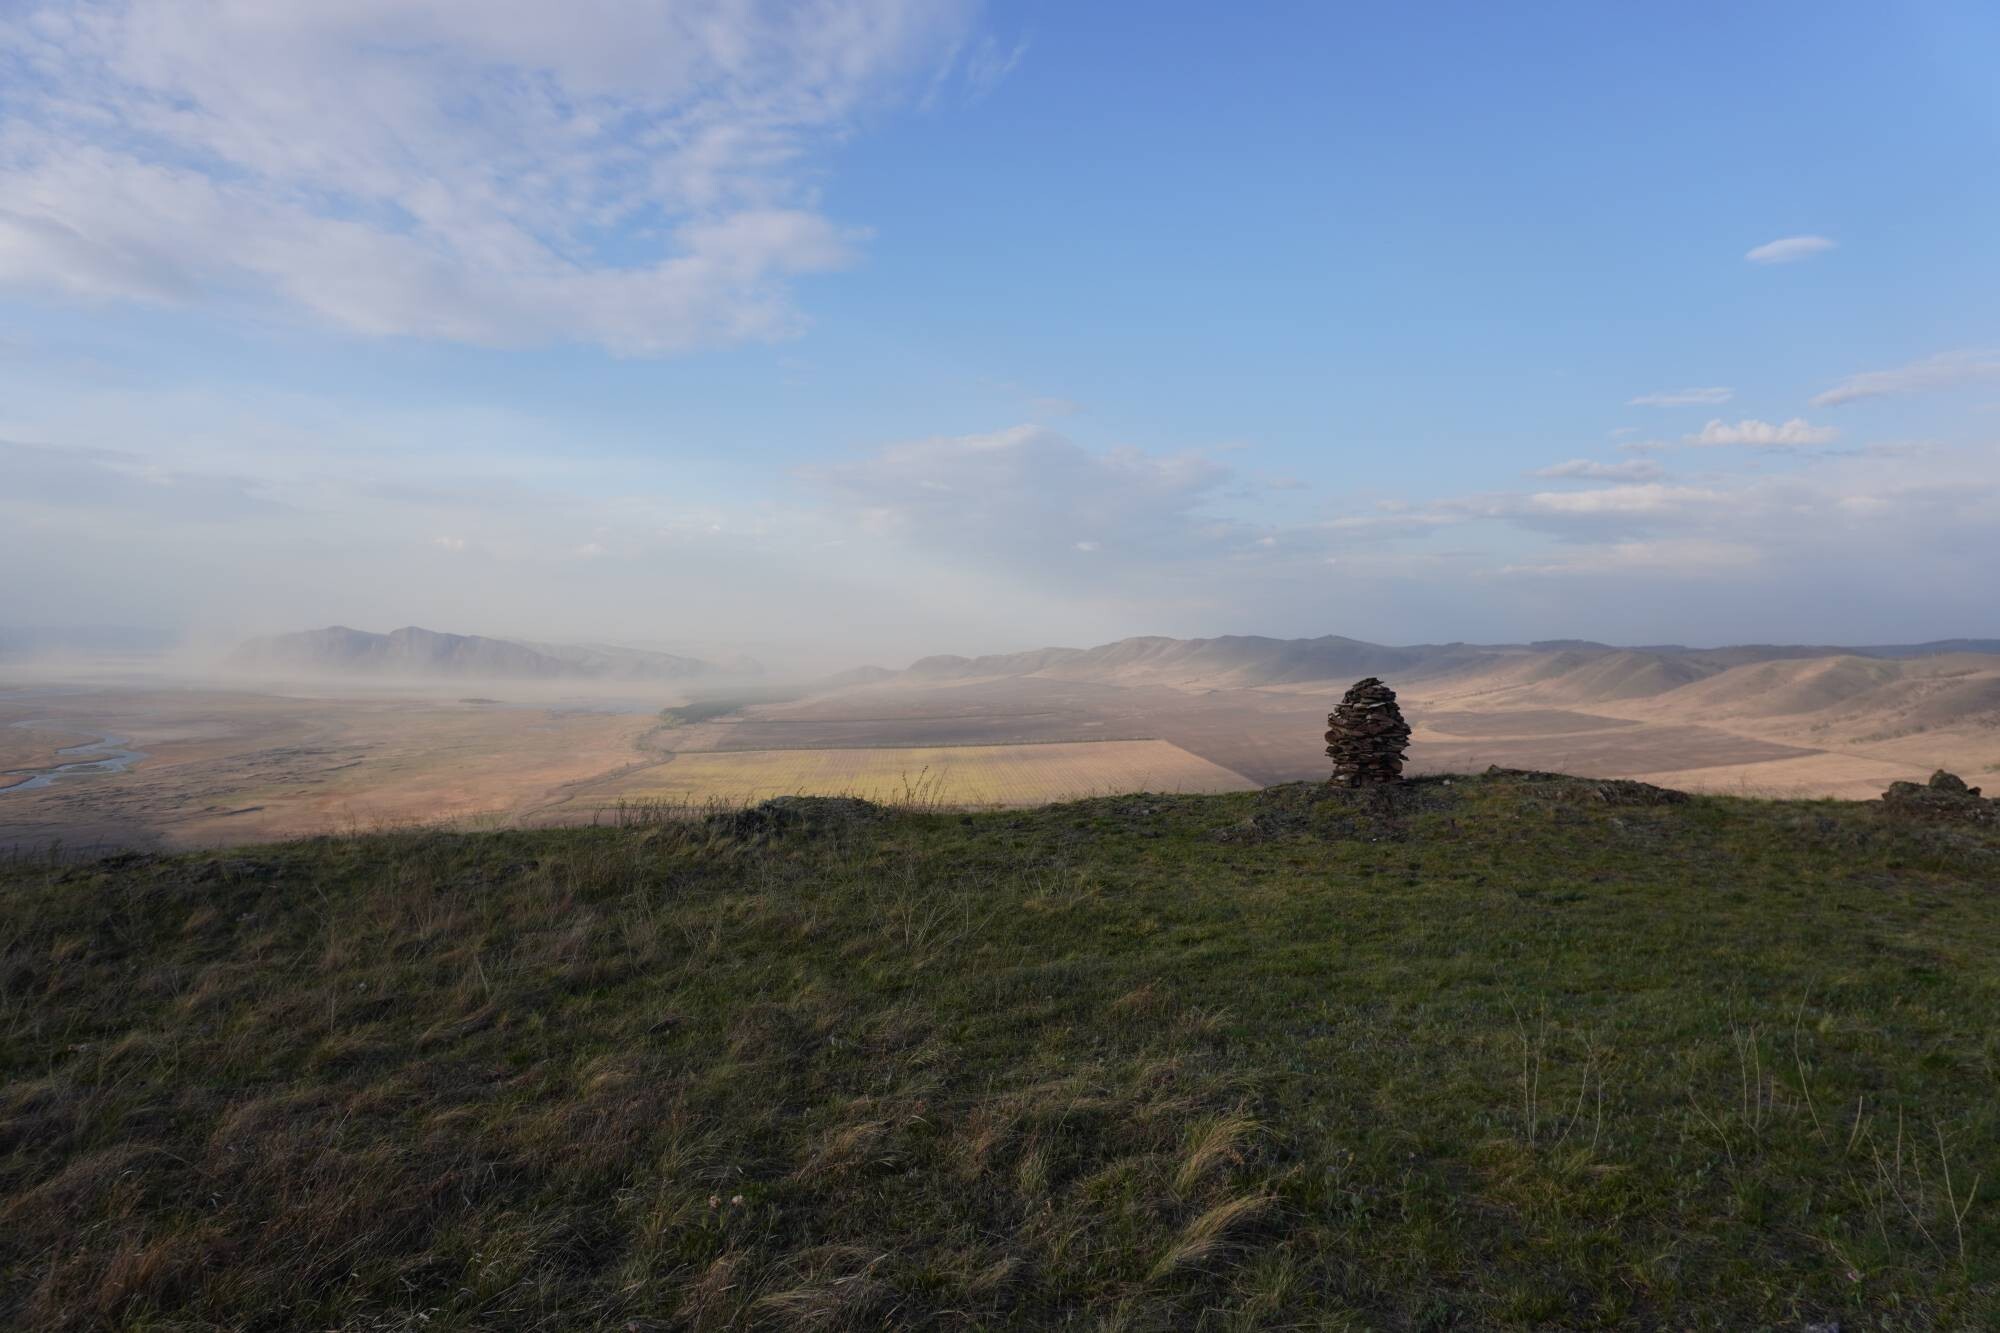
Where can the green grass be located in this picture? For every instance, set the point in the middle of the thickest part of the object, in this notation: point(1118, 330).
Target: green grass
point(706, 708)
point(1496, 1054)
point(701, 710)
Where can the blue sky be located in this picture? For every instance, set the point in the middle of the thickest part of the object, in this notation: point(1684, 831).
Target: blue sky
point(882, 328)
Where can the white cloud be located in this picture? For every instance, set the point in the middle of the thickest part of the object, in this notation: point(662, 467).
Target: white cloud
point(1762, 434)
point(1648, 498)
point(1789, 249)
point(1016, 498)
point(1948, 370)
point(631, 173)
point(1682, 397)
point(1586, 469)
point(1402, 521)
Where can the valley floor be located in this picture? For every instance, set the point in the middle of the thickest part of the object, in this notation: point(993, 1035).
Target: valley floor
point(1502, 1052)
point(211, 767)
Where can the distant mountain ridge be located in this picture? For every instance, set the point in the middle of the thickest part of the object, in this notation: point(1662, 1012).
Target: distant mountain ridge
point(1230, 660)
point(416, 652)
point(1579, 670)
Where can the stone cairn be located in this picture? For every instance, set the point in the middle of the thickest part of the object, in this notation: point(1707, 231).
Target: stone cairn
point(1366, 736)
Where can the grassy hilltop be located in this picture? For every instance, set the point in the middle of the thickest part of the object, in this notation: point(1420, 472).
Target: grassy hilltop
point(1505, 1052)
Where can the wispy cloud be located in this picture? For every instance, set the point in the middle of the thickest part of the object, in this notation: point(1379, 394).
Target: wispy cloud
point(640, 176)
point(1589, 469)
point(1646, 498)
point(1947, 370)
point(1052, 407)
point(1762, 434)
point(1790, 249)
point(1677, 557)
point(1682, 398)
point(987, 65)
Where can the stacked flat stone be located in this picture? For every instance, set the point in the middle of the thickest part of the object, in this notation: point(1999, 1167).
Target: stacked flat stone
point(1366, 736)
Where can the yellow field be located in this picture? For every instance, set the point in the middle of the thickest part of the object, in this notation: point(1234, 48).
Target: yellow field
point(960, 775)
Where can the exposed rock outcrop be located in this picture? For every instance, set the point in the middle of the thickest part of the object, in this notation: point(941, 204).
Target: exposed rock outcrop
point(1606, 791)
point(1945, 797)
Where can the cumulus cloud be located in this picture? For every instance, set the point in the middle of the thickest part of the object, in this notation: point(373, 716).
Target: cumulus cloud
point(1947, 370)
point(1682, 397)
point(1762, 434)
point(1587, 469)
point(1789, 249)
point(1022, 496)
point(632, 173)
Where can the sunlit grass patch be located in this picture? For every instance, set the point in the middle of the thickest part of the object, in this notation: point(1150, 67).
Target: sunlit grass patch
point(972, 776)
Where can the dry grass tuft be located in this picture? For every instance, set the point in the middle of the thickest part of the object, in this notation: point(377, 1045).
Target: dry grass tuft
point(831, 1286)
point(845, 1150)
point(1213, 1144)
point(1210, 1234)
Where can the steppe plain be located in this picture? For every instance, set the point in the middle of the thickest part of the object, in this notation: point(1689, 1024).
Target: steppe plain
point(241, 764)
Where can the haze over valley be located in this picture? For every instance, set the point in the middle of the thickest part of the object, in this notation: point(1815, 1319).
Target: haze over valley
point(339, 729)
